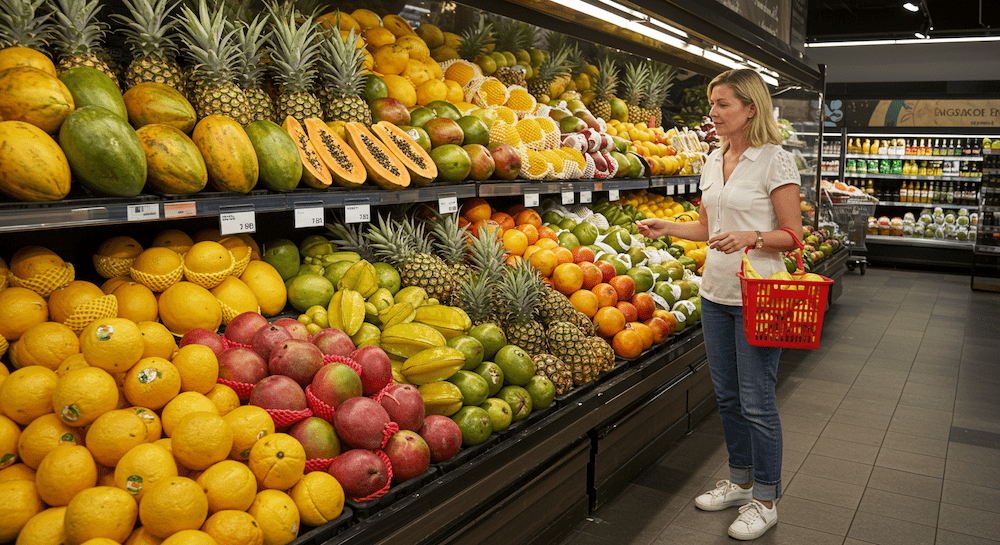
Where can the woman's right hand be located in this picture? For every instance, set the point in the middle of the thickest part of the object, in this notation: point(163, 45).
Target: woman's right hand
point(653, 228)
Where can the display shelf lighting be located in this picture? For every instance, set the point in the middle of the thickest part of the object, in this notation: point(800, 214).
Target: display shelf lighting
point(861, 43)
point(910, 6)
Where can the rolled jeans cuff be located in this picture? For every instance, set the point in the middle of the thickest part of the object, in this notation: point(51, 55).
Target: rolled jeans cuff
point(740, 475)
point(767, 492)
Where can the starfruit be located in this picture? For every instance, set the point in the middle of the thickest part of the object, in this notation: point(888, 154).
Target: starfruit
point(443, 398)
point(406, 340)
point(367, 335)
point(431, 364)
point(316, 246)
point(318, 316)
point(360, 278)
point(347, 311)
point(413, 295)
point(449, 321)
point(371, 313)
point(399, 313)
point(397, 372)
point(382, 299)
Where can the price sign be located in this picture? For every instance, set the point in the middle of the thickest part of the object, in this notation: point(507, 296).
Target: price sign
point(308, 217)
point(358, 213)
point(142, 212)
point(692, 188)
point(231, 223)
point(586, 197)
point(531, 199)
point(179, 209)
point(671, 190)
point(614, 195)
point(447, 205)
point(567, 197)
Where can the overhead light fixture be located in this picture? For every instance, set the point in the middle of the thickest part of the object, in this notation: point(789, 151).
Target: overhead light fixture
point(770, 80)
point(928, 40)
point(910, 6)
point(920, 35)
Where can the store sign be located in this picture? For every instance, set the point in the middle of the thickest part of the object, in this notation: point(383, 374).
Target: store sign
point(920, 113)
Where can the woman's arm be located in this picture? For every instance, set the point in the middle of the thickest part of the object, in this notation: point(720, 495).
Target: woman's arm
point(691, 230)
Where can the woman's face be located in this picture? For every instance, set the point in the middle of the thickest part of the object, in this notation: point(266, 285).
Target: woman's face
point(729, 114)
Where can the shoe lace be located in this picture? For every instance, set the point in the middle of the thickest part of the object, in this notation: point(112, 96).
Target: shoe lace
point(721, 488)
point(750, 513)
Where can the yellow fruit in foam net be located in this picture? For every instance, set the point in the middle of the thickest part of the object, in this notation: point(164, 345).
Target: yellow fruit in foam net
point(530, 132)
point(505, 114)
point(47, 344)
point(158, 268)
point(120, 246)
point(462, 72)
point(64, 299)
point(208, 263)
point(504, 133)
point(30, 261)
point(136, 302)
point(520, 99)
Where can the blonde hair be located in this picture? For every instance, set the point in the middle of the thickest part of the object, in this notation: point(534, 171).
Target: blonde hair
point(750, 88)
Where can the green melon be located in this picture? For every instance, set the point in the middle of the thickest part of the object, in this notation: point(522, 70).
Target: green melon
point(280, 165)
point(103, 151)
point(91, 87)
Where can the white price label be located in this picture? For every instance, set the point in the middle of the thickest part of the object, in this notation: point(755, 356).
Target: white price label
point(614, 195)
point(671, 190)
point(308, 217)
point(586, 197)
point(447, 205)
point(358, 213)
point(180, 209)
point(231, 223)
point(142, 212)
point(567, 197)
point(531, 199)
point(692, 188)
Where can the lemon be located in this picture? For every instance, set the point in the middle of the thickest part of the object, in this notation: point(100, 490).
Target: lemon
point(249, 424)
point(44, 434)
point(198, 368)
point(201, 439)
point(152, 382)
point(82, 395)
point(9, 438)
point(112, 344)
point(224, 397)
point(228, 485)
point(19, 502)
point(46, 344)
point(183, 404)
point(101, 511)
point(157, 340)
point(113, 434)
point(173, 504)
point(26, 394)
point(190, 537)
point(232, 527)
point(278, 461)
point(45, 528)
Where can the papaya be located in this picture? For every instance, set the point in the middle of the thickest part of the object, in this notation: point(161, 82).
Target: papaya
point(13, 56)
point(382, 166)
point(91, 87)
point(417, 161)
point(344, 164)
point(33, 96)
point(280, 166)
point(314, 171)
point(174, 165)
point(149, 102)
point(32, 165)
point(228, 152)
point(104, 152)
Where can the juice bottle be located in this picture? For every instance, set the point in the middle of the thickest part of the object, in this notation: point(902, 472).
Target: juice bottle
point(866, 148)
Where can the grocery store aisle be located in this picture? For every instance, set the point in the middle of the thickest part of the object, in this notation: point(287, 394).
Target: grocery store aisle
point(891, 431)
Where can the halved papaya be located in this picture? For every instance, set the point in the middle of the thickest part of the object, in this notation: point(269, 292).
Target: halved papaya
point(344, 165)
point(414, 158)
point(382, 165)
point(314, 171)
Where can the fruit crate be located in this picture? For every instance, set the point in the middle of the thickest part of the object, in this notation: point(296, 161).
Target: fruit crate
point(324, 533)
point(466, 454)
point(363, 510)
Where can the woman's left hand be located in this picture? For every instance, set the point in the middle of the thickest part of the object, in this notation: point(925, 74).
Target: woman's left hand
point(732, 241)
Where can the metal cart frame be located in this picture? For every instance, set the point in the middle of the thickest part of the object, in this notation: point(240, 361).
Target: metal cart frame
point(851, 213)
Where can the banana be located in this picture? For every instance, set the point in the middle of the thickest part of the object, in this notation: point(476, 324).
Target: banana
point(433, 364)
point(748, 270)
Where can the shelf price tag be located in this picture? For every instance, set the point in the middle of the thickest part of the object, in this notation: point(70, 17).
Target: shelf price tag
point(308, 217)
point(531, 199)
point(586, 197)
point(614, 195)
point(692, 188)
point(231, 223)
point(567, 197)
point(142, 212)
point(358, 213)
point(671, 190)
point(447, 203)
point(179, 209)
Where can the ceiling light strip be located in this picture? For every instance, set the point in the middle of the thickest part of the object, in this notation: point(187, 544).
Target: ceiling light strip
point(861, 43)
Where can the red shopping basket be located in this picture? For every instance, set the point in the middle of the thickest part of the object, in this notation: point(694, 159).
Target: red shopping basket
point(784, 313)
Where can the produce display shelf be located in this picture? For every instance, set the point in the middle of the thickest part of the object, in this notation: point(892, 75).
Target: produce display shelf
point(921, 242)
point(827, 173)
point(691, 182)
point(989, 228)
point(341, 197)
point(988, 249)
point(944, 206)
point(545, 187)
point(884, 176)
point(916, 157)
point(985, 208)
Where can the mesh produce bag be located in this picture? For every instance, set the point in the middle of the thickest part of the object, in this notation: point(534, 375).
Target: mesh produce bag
point(531, 133)
point(486, 92)
point(553, 136)
point(521, 101)
point(207, 280)
point(505, 114)
point(533, 165)
point(241, 265)
point(46, 282)
point(158, 282)
point(95, 309)
point(460, 71)
point(110, 267)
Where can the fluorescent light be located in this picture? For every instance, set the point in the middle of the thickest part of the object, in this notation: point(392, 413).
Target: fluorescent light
point(640, 28)
point(593, 11)
point(856, 43)
point(720, 59)
point(668, 28)
point(622, 8)
point(919, 35)
point(910, 6)
point(768, 79)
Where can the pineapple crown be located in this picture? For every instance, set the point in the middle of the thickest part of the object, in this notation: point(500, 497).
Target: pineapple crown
point(20, 27)
point(349, 238)
point(606, 81)
point(634, 84)
point(526, 36)
point(660, 81)
point(507, 33)
point(555, 65)
point(450, 240)
point(486, 254)
point(392, 241)
point(342, 62)
point(210, 45)
point(575, 58)
point(475, 40)
point(476, 297)
point(78, 31)
point(251, 40)
point(294, 50)
point(522, 293)
point(147, 30)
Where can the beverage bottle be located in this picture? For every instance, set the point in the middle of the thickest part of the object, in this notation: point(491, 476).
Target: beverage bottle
point(925, 193)
point(936, 148)
point(949, 195)
point(870, 189)
point(903, 190)
point(866, 148)
point(967, 147)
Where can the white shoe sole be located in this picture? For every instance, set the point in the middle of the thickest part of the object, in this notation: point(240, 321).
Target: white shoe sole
point(751, 536)
point(722, 507)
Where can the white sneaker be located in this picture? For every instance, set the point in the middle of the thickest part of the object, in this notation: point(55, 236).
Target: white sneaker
point(723, 496)
point(753, 521)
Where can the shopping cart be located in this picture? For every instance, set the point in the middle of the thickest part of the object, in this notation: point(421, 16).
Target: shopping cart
point(851, 213)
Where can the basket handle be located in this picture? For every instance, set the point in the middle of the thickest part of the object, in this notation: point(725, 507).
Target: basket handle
point(798, 255)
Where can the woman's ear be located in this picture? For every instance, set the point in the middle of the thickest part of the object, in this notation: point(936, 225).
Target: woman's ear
point(753, 109)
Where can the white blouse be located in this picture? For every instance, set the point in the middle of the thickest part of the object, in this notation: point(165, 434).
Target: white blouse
point(742, 204)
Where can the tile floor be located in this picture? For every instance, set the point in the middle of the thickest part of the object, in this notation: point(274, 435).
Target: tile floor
point(891, 431)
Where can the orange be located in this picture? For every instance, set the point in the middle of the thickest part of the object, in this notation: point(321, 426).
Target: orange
point(75, 361)
point(228, 485)
point(158, 262)
point(547, 232)
point(19, 502)
point(136, 302)
point(627, 343)
point(488, 226)
point(185, 306)
point(142, 466)
point(157, 340)
point(514, 260)
point(141, 537)
point(47, 344)
point(645, 332)
point(390, 59)
point(503, 219)
point(27, 393)
point(173, 239)
point(277, 515)
point(515, 209)
point(207, 263)
point(528, 216)
point(476, 209)
point(10, 435)
point(190, 537)
point(567, 278)
point(278, 461)
point(17, 472)
point(112, 283)
point(113, 434)
point(584, 301)
point(21, 308)
point(64, 472)
point(102, 511)
point(44, 434)
point(154, 429)
point(224, 397)
point(607, 295)
point(249, 424)
point(319, 498)
point(608, 321)
point(173, 504)
point(32, 260)
point(112, 344)
point(64, 300)
point(198, 367)
point(231, 527)
point(545, 261)
point(201, 439)
point(546, 243)
point(44, 528)
point(529, 231)
point(182, 405)
point(515, 242)
point(378, 36)
point(563, 255)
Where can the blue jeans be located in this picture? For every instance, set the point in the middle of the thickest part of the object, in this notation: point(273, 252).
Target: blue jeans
point(745, 377)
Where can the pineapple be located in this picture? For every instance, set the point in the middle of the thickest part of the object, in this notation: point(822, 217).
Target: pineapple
point(573, 348)
point(403, 245)
point(634, 90)
point(252, 41)
point(294, 51)
point(147, 32)
point(584, 323)
point(486, 257)
point(475, 40)
point(604, 354)
point(521, 290)
point(556, 307)
point(451, 244)
point(475, 297)
point(554, 66)
point(341, 66)
point(556, 371)
point(349, 238)
point(213, 52)
point(605, 85)
point(19, 27)
point(658, 87)
point(78, 34)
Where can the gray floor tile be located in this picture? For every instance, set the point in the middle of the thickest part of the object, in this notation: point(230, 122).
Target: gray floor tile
point(965, 472)
point(915, 444)
point(836, 469)
point(932, 390)
point(960, 452)
point(970, 495)
point(931, 416)
point(899, 506)
point(881, 530)
point(845, 450)
point(920, 377)
point(923, 429)
point(853, 433)
point(968, 521)
point(824, 490)
point(900, 363)
point(906, 483)
point(826, 387)
point(868, 406)
point(947, 371)
point(814, 515)
point(680, 534)
point(875, 393)
point(801, 442)
point(928, 402)
point(801, 424)
point(913, 463)
point(581, 538)
point(850, 541)
point(979, 421)
point(713, 523)
point(946, 537)
point(791, 534)
point(791, 460)
point(845, 374)
point(861, 418)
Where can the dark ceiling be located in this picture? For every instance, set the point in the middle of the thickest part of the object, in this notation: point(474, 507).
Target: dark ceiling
point(830, 20)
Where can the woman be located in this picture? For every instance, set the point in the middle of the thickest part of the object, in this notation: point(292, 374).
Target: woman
point(750, 192)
